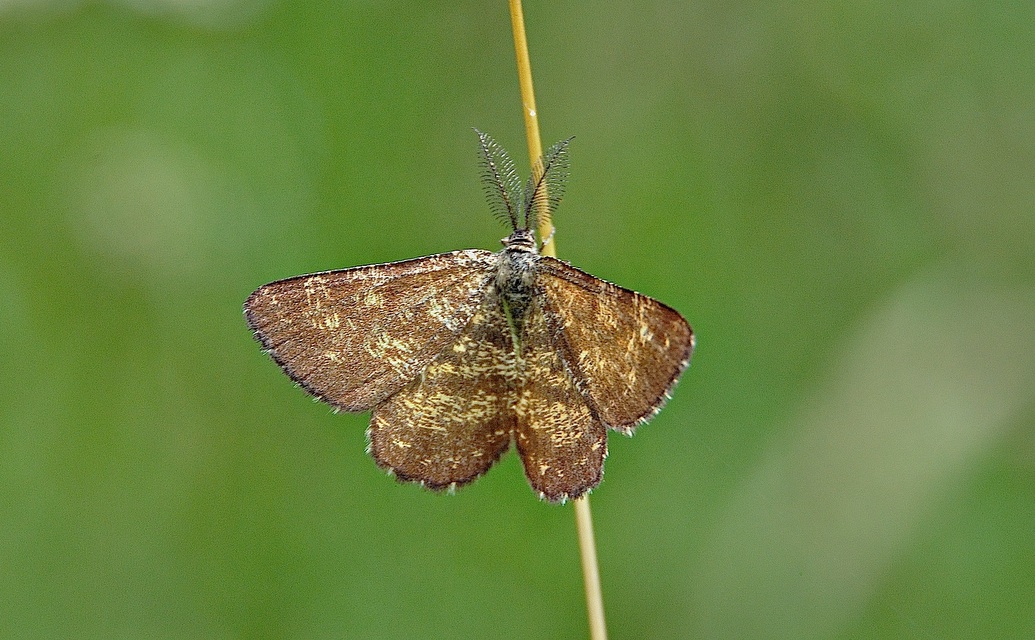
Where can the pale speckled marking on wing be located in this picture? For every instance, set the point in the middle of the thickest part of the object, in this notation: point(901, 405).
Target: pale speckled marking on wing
point(355, 336)
point(561, 442)
point(451, 423)
point(626, 351)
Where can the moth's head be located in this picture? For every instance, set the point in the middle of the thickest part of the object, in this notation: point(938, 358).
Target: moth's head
point(521, 240)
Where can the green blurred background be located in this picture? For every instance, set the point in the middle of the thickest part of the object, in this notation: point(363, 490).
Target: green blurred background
point(839, 196)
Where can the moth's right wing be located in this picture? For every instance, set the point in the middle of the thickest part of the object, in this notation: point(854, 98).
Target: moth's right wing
point(356, 336)
point(624, 350)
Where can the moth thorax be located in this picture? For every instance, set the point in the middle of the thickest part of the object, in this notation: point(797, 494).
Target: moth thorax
point(516, 273)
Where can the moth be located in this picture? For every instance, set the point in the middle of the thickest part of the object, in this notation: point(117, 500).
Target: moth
point(460, 355)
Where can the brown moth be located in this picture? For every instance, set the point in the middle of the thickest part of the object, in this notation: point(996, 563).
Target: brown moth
point(457, 355)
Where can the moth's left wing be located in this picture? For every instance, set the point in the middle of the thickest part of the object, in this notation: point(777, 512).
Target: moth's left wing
point(625, 351)
point(356, 336)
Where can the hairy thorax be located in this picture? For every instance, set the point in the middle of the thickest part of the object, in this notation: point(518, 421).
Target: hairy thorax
point(515, 277)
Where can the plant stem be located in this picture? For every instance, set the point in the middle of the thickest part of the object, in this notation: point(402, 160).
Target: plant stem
point(590, 571)
point(583, 516)
point(535, 144)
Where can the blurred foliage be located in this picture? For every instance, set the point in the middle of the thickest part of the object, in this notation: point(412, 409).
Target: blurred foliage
point(838, 196)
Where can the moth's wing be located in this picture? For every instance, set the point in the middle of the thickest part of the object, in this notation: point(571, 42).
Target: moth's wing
point(561, 441)
point(454, 420)
point(625, 351)
point(355, 336)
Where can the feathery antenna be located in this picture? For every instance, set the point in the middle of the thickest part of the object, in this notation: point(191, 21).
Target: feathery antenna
point(541, 193)
point(545, 187)
point(499, 180)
